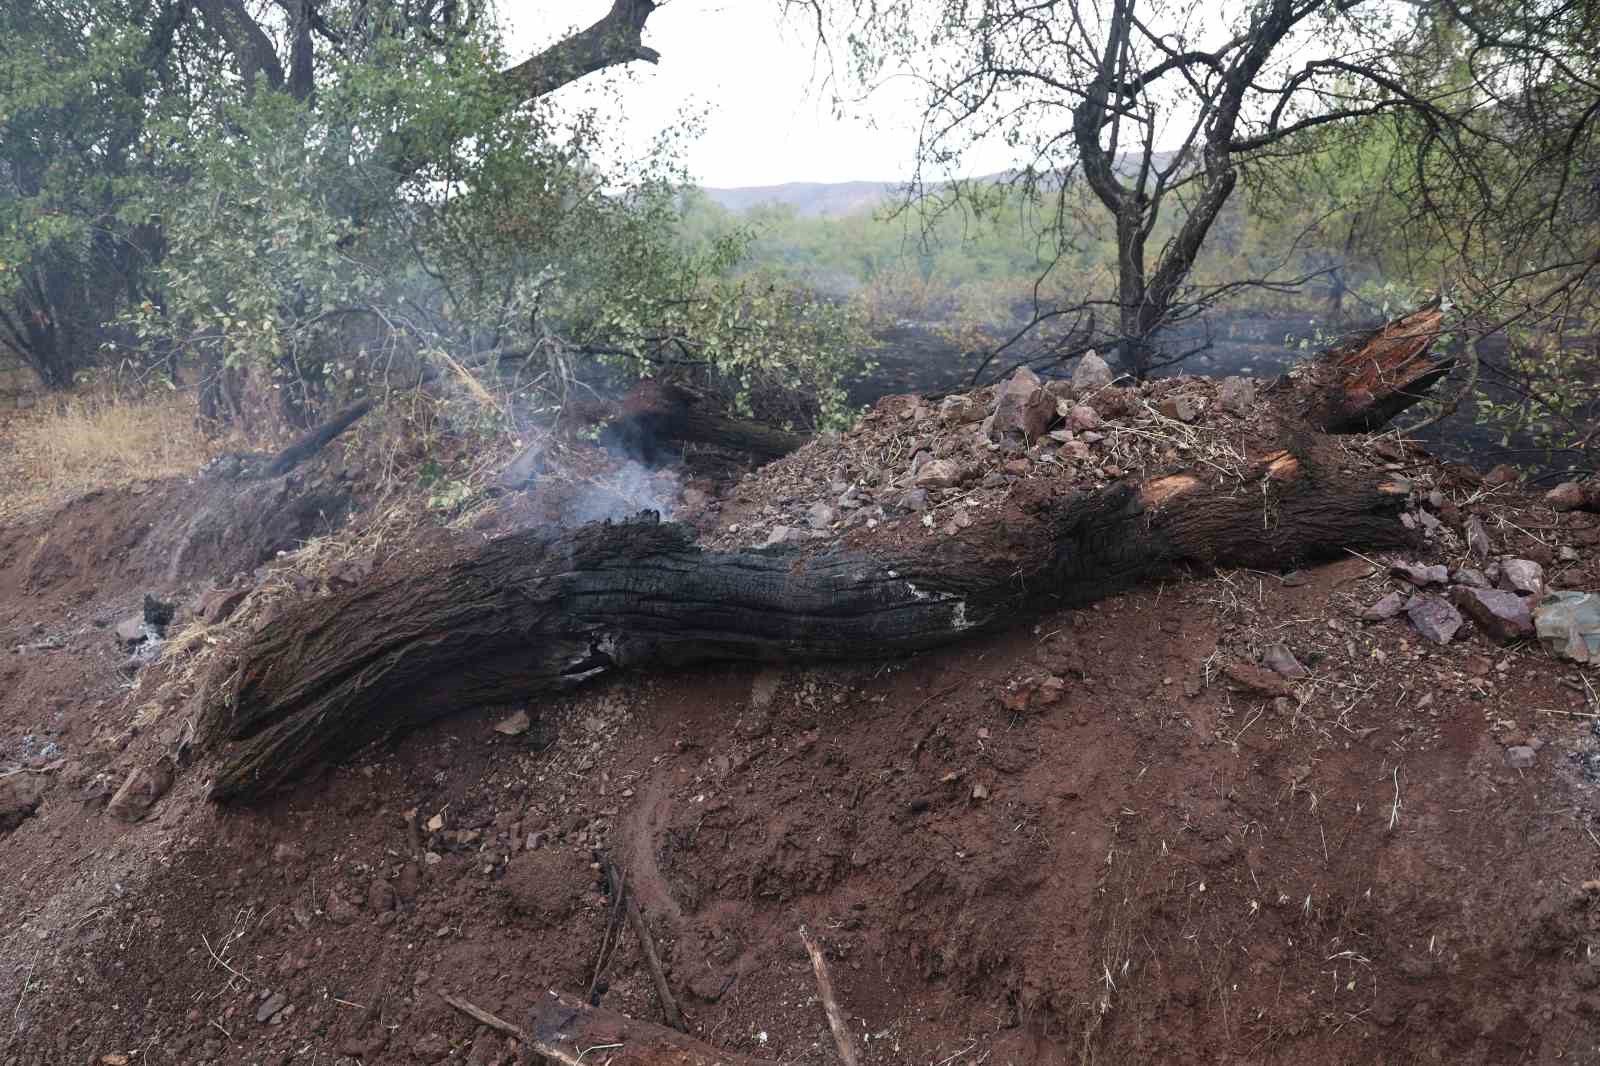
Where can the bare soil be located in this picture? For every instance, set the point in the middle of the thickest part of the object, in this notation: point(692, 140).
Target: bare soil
point(1075, 842)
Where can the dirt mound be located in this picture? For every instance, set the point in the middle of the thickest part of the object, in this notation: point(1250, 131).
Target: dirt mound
point(1127, 833)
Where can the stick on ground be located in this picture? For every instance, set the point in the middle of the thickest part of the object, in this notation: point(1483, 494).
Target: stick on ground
point(836, 1022)
point(647, 946)
point(478, 1014)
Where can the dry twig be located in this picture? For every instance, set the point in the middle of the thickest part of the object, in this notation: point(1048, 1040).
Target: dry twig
point(830, 1005)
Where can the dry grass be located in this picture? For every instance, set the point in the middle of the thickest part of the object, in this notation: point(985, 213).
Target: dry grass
point(93, 440)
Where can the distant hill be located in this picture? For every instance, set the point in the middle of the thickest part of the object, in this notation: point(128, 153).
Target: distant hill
point(819, 199)
point(810, 199)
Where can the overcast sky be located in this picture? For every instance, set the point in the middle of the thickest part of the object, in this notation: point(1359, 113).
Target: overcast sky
point(768, 118)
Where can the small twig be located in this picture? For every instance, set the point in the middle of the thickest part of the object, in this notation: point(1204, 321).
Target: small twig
point(1394, 811)
point(48, 768)
point(841, 1033)
point(220, 1029)
point(478, 1014)
point(613, 927)
point(218, 960)
point(1569, 714)
point(669, 1005)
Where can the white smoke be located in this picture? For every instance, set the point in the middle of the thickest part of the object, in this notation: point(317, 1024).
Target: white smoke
point(622, 493)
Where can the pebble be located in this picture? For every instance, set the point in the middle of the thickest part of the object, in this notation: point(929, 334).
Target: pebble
point(1280, 659)
point(1521, 757)
point(271, 1006)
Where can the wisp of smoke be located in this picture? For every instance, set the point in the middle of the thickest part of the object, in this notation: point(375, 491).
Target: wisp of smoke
point(623, 493)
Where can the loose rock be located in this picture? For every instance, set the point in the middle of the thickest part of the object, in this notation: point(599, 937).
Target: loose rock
point(914, 500)
point(1504, 616)
point(820, 516)
point(1255, 679)
point(938, 474)
point(271, 1006)
point(1568, 623)
point(140, 791)
point(1478, 539)
point(1092, 372)
point(1386, 608)
point(1237, 395)
point(514, 726)
point(1434, 617)
point(1420, 575)
point(1521, 757)
point(1179, 407)
point(1567, 496)
point(1281, 660)
point(1522, 575)
point(1083, 417)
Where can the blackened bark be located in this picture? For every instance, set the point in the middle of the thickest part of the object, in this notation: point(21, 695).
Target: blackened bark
point(537, 612)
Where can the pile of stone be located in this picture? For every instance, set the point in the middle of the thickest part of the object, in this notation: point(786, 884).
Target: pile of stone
point(1500, 598)
point(945, 461)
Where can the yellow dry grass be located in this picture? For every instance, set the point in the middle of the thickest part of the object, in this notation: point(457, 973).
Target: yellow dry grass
point(72, 444)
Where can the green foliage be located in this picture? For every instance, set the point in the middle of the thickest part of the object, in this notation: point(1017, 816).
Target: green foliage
point(323, 242)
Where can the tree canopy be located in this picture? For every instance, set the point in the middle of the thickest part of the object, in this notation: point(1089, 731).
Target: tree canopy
point(1471, 127)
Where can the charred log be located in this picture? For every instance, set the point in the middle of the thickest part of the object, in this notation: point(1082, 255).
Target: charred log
point(657, 413)
point(536, 612)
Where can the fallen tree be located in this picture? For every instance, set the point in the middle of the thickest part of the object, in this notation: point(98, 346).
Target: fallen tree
point(540, 612)
point(659, 412)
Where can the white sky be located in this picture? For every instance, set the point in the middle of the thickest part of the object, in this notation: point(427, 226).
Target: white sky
point(769, 117)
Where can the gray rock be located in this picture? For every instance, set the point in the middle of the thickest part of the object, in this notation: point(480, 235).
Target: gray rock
point(1420, 575)
point(1478, 539)
point(1475, 579)
point(1083, 417)
point(271, 1006)
point(1386, 608)
point(820, 516)
point(1504, 616)
point(1092, 372)
point(1279, 658)
point(780, 535)
point(1521, 757)
point(1568, 554)
point(959, 410)
point(1568, 623)
point(938, 474)
point(1434, 617)
point(1522, 575)
point(131, 631)
point(864, 515)
point(1237, 395)
point(913, 500)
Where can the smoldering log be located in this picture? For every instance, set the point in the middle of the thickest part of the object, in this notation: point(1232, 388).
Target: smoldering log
point(538, 612)
point(659, 412)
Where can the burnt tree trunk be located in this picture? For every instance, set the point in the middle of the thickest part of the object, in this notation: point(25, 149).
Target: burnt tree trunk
point(657, 412)
point(536, 612)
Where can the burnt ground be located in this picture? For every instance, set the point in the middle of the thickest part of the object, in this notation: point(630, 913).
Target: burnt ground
point(1073, 842)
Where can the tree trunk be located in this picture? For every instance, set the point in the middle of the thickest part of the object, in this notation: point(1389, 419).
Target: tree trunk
point(656, 412)
point(537, 612)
